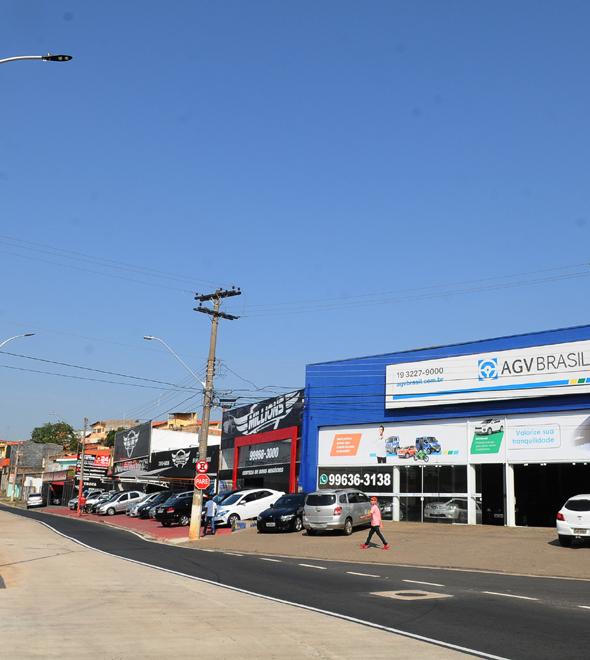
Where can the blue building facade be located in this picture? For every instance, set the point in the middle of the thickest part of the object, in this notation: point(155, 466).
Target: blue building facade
point(348, 400)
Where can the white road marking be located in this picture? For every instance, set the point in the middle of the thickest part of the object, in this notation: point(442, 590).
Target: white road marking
point(584, 607)
point(321, 568)
point(430, 584)
point(233, 554)
point(362, 574)
point(205, 550)
point(496, 593)
point(309, 608)
point(278, 561)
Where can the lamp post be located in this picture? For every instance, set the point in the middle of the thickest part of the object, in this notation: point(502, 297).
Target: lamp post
point(45, 58)
point(26, 334)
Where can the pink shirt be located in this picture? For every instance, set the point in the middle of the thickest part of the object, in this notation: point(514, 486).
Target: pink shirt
point(375, 516)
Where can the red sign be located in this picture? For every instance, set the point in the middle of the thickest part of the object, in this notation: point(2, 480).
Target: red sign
point(202, 481)
point(202, 466)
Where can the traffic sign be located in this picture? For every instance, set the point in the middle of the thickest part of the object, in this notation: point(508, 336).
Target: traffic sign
point(202, 481)
point(202, 466)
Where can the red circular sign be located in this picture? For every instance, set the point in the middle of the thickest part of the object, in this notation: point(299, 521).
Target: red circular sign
point(202, 466)
point(202, 481)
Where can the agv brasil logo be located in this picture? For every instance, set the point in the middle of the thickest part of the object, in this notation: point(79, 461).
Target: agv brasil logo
point(487, 368)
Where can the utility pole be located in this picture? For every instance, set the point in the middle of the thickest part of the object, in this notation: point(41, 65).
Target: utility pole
point(197, 507)
point(81, 477)
point(15, 474)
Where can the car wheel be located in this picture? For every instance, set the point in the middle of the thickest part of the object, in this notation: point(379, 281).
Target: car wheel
point(565, 541)
point(297, 524)
point(110, 511)
point(489, 431)
point(233, 519)
point(426, 457)
point(501, 429)
point(347, 527)
point(184, 520)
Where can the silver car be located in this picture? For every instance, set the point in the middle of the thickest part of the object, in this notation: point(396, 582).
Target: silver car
point(342, 509)
point(120, 502)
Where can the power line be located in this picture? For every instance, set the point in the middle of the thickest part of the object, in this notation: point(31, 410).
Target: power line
point(96, 380)
point(100, 371)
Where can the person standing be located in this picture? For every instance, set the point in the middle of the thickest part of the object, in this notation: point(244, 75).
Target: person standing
point(210, 513)
point(381, 453)
point(375, 526)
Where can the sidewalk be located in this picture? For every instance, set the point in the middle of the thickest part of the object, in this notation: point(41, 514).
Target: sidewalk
point(64, 601)
point(525, 550)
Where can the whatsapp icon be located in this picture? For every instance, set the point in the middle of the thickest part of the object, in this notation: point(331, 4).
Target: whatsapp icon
point(323, 479)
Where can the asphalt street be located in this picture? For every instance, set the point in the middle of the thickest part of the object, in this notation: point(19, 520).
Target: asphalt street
point(489, 614)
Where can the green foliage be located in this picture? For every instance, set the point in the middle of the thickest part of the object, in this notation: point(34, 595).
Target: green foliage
point(59, 433)
point(110, 438)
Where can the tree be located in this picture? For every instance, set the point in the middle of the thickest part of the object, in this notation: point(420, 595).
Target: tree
point(110, 437)
point(59, 433)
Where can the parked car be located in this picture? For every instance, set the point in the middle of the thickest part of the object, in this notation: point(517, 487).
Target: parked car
point(143, 508)
point(220, 497)
point(453, 510)
point(73, 503)
point(176, 509)
point(429, 444)
point(339, 509)
point(286, 514)
point(489, 426)
point(35, 500)
point(245, 504)
point(119, 502)
point(93, 502)
point(406, 452)
point(573, 520)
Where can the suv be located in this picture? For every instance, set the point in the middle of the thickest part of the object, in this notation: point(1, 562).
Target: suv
point(489, 426)
point(119, 502)
point(342, 509)
point(176, 509)
point(429, 444)
point(573, 520)
point(245, 504)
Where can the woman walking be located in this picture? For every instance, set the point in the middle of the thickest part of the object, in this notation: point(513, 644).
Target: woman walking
point(375, 526)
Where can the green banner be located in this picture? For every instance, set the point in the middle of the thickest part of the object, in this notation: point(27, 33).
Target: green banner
point(487, 444)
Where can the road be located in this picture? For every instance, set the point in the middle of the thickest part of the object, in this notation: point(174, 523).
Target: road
point(491, 615)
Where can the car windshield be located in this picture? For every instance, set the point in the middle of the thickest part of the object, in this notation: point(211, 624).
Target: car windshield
point(218, 499)
point(578, 505)
point(320, 500)
point(290, 500)
point(232, 499)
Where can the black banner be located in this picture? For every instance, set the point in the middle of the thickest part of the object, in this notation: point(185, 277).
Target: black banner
point(181, 463)
point(265, 453)
point(135, 464)
point(133, 443)
point(271, 414)
point(367, 479)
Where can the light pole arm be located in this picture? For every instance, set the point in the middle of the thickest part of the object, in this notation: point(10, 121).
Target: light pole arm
point(27, 334)
point(21, 57)
point(184, 364)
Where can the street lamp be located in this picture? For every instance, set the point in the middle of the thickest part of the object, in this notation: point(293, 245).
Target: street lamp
point(26, 334)
point(46, 58)
point(184, 364)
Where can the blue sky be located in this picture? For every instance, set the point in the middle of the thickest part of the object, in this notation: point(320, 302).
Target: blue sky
point(347, 153)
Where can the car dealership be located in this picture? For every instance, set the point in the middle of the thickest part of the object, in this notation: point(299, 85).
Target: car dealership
point(494, 431)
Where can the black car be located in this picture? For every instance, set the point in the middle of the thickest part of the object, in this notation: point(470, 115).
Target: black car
point(284, 515)
point(143, 510)
point(177, 509)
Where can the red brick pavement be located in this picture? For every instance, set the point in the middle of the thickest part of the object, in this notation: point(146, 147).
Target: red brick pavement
point(150, 528)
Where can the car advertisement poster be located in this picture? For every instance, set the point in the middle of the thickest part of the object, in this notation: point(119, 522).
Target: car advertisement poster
point(554, 369)
point(389, 444)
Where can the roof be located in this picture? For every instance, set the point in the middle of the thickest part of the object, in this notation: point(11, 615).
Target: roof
point(472, 342)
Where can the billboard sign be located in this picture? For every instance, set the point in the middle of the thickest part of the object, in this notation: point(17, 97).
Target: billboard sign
point(133, 444)
point(517, 373)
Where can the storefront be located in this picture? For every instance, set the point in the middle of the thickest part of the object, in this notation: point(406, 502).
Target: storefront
point(260, 444)
point(492, 432)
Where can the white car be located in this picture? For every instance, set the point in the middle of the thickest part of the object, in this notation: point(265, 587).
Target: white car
point(573, 520)
point(245, 504)
point(35, 500)
point(119, 503)
point(489, 426)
